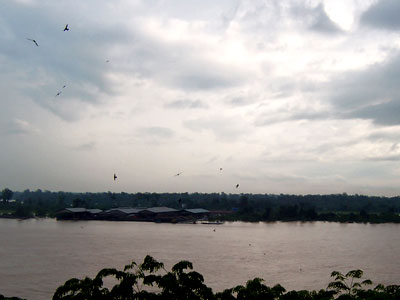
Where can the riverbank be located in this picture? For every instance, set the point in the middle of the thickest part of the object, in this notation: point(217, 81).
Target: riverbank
point(344, 219)
point(341, 208)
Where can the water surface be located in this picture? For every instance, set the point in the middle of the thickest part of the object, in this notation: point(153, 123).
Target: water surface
point(38, 255)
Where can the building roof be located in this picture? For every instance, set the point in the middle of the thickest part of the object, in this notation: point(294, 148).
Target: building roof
point(197, 210)
point(161, 209)
point(82, 209)
point(126, 210)
point(75, 209)
point(94, 211)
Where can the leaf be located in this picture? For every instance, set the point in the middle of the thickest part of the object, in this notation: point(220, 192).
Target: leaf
point(380, 287)
point(106, 272)
point(338, 285)
point(356, 284)
point(150, 264)
point(256, 280)
point(238, 288)
point(278, 289)
point(355, 274)
point(182, 265)
point(130, 266)
point(392, 289)
point(366, 282)
point(151, 279)
point(338, 275)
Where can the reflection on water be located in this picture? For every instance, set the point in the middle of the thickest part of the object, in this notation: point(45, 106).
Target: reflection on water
point(36, 256)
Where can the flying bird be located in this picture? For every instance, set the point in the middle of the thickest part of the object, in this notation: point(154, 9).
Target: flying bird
point(33, 41)
point(177, 174)
point(220, 169)
point(115, 176)
point(66, 28)
point(64, 86)
point(237, 185)
point(107, 61)
point(58, 94)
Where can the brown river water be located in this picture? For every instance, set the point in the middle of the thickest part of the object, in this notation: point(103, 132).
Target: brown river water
point(38, 255)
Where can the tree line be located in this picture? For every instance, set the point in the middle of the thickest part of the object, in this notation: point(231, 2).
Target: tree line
point(150, 280)
point(244, 207)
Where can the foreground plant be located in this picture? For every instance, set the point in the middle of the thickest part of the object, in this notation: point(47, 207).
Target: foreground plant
point(150, 280)
point(177, 284)
point(348, 284)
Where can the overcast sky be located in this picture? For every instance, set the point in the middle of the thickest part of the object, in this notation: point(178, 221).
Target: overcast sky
point(286, 96)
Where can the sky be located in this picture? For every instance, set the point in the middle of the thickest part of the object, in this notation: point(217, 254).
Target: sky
point(286, 96)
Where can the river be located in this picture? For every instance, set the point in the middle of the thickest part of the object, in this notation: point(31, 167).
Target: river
point(38, 255)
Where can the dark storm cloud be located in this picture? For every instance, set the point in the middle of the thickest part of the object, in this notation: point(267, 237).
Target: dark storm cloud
point(186, 104)
point(383, 114)
point(75, 58)
point(383, 14)
point(77, 54)
point(369, 94)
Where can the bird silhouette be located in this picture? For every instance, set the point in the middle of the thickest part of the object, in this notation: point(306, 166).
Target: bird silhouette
point(64, 86)
point(58, 94)
point(115, 176)
point(237, 185)
point(33, 41)
point(177, 174)
point(220, 169)
point(66, 28)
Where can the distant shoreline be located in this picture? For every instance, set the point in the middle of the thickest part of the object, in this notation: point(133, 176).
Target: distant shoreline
point(11, 217)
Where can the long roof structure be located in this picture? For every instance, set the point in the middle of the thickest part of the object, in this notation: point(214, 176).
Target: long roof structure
point(161, 209)
point(197, 210)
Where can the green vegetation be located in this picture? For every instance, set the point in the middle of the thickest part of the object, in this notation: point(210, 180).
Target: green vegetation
point(150, 280)
point(6, 194)
point(233, 207)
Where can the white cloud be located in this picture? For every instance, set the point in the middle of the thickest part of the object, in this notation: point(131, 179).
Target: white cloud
point(296, 88)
